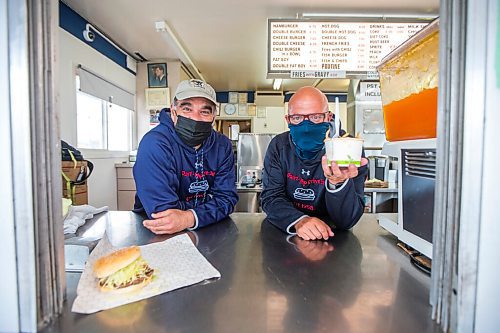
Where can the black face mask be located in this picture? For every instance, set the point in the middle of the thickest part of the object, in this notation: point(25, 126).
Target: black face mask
point(192, 132)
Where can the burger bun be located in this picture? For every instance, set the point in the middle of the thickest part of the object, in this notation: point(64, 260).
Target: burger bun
point(111, 263)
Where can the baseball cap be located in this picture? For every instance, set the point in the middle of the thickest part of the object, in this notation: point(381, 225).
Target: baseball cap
point(195, 88)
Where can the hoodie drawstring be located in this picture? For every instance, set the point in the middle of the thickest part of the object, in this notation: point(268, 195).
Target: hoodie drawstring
point(200, 169)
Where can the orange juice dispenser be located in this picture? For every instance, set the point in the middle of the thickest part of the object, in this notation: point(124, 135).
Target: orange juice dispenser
point(409, 84)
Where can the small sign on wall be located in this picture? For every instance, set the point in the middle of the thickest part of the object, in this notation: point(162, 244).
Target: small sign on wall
point(233, 97)
point(154, 118)
point(157, 98)
point(242, 98)
point(261, 112)
point(252, 110)
point(242, 110)
point(369, 91)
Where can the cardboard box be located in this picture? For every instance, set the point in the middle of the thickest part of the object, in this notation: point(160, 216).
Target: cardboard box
point(80, 199)
point(78, 189)
point(69, 169)
point(72, 172)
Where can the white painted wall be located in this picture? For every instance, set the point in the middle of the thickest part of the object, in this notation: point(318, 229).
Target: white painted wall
point(173, 78)
point(273, 123)
point(72, 52)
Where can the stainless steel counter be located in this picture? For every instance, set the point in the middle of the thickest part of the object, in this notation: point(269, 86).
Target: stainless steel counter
point(357, 282)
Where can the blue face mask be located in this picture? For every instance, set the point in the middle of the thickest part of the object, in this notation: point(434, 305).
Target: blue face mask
point(308, 138)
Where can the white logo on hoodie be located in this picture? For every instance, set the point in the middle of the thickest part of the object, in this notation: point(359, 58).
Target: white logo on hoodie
point(201, 186)
point(305, 194)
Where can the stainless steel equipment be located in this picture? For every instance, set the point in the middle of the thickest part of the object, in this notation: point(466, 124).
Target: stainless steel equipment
point(250, 163)
point(416, 178)
point(250, 156)
point(379, 167)
point(418, 184)
point(249, 201)
point(364, 114)
point(410, 72)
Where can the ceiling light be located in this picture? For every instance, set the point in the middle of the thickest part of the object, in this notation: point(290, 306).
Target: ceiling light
point(277, 84)
point(163, 27)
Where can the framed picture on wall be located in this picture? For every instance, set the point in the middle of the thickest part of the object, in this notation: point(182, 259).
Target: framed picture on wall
point(252, 110)
point(154, 118)
point(157, 75)
point(157, 98)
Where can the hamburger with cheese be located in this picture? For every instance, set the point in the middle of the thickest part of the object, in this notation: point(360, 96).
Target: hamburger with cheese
point(123, 271)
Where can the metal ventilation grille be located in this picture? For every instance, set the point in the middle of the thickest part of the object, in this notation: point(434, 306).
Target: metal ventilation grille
point(420, 163)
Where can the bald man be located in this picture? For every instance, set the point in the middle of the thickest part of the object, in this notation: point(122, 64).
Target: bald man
point(303, 195)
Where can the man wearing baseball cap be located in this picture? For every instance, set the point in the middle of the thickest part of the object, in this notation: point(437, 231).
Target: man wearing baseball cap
point(184, 171)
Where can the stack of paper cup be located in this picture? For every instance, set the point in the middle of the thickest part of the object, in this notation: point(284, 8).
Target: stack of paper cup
point(344, 151)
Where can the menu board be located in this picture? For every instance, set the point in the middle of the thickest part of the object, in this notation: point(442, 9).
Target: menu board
point(333, 49)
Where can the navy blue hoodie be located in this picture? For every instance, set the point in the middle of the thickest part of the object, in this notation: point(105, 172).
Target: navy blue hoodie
point(294, 188)
point(170, 174)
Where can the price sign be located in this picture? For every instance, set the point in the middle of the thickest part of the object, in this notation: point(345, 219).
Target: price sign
point(326, 49)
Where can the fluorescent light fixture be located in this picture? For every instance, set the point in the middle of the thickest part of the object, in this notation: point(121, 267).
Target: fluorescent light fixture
point(380, 16)
point(162, 26)
point(277, 84)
